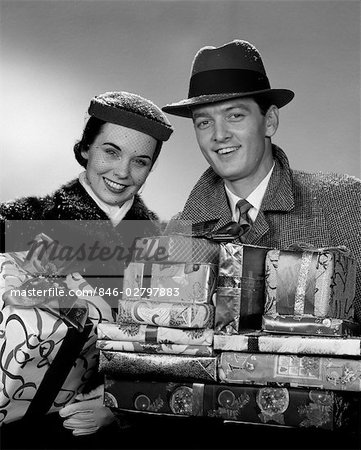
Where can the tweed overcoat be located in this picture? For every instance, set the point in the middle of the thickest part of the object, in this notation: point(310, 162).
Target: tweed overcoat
point(315, 208)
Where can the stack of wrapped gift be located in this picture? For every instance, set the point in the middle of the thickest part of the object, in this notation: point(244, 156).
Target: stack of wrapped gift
point(304, 368)
point(48, 334)
point(164, 331)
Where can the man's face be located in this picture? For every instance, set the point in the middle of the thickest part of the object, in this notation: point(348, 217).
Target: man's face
point(231, 135)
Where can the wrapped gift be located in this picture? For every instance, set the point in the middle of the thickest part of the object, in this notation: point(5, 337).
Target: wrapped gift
point(186, 283)
point(280, 343)
point(174, 315)
point(48, 352)
point(176, 249)
point(158, 367)
point(240, 293)
point(311, 282)
point(311, 371)
point(134, 332)
point(167, 398)
point(309, 325)
point(291, 407)
point(273, 406)
point(141, 347)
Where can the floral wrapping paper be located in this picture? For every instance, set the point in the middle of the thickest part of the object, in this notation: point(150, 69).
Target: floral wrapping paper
point(177, 249)
point(318, 282)
point(311, 371)
point(153, 335)
point(141, 347)
point(280, 343)
point(173, 315)
point(309, 325)
point(31, 337)
point(158, 367)
point(240, 294)
point(291, 407)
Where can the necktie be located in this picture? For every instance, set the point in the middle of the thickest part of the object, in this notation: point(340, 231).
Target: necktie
point(243, 220)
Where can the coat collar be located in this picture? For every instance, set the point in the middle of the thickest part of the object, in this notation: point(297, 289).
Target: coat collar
point(208, 201)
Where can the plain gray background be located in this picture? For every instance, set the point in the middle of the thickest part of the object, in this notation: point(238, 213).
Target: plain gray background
point(56, 55)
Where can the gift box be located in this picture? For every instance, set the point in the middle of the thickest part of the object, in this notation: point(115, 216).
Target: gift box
point(182, 283)
point(280, 343)
point(312, 282)
point(152, 335)
point(240, 292)
point(290, 407)
point(158, 367)
point(309, 325)
point(286, 407)
point(141, 347)
point(193, 283)
point(163, 314)
point(167, 398)
point(48, 351)
point(311, 371)
point(176, 249)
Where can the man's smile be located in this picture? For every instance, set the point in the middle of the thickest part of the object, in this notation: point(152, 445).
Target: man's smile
point(227, 150)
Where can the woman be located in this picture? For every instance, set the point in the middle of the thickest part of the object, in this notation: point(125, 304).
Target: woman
point(121, 141)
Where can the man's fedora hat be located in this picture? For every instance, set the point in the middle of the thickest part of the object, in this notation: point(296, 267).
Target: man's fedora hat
point(230, 71)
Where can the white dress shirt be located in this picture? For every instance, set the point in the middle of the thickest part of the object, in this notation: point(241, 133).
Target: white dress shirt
point(115, 213)
point(255, 198)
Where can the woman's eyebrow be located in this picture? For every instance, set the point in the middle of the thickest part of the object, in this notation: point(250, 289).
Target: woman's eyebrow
point(113, 145)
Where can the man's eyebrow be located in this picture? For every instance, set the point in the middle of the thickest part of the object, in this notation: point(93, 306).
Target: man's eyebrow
point(200, 114)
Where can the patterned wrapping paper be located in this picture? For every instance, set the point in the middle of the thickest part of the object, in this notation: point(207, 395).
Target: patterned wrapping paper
point(337, 374)
point(141, 347)
point(133, 332)
point(291, 407)
point(180, 283)
point(272, 343)
point(318, 282)
point(309, 325)
point(176, 249)
point(304, 408)
point(195, 283)
point(240, 293)
point(167, 398)
point(158, 367)
point(31, 339)
point(173, 315)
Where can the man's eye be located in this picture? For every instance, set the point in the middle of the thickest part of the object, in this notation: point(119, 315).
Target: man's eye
point(236, 116)
point(203, 124)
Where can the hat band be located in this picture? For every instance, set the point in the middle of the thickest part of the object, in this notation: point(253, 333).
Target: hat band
point(225, 81)
point(129, 119)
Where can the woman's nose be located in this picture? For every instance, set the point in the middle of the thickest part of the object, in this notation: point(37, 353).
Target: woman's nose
point(121, 168)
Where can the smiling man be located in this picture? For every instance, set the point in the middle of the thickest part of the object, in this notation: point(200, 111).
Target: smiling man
point(235, 113)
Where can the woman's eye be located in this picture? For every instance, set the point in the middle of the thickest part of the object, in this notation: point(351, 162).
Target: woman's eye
point(140, 162)
point(110, 152)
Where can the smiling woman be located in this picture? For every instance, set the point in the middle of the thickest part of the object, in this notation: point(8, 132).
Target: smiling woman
point(100, 210)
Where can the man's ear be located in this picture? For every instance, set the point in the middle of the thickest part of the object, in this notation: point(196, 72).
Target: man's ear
point(272, 120)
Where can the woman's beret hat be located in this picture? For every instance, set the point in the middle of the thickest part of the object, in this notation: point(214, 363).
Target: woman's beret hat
point(131, 111)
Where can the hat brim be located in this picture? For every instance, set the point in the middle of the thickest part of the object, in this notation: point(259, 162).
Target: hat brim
point(278, 97)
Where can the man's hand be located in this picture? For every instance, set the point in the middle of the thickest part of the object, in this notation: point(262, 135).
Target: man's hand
point(87, 414)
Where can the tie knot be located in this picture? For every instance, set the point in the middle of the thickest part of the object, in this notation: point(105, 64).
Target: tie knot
point(243, 207)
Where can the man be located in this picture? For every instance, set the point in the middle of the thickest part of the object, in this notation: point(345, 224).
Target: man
point(235, 114)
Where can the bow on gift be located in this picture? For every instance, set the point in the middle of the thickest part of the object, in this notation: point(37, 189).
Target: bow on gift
point(227, 233)
point(43, 288)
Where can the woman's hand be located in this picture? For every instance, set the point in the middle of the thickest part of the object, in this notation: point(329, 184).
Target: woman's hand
point(87, 414)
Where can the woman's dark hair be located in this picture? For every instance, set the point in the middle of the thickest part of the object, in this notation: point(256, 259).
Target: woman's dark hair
point(92, 128)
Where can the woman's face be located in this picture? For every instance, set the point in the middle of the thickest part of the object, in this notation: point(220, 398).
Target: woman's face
point(119, 161)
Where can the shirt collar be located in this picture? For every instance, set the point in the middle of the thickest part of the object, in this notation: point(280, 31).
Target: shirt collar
point(115, 213)
point(254, 198)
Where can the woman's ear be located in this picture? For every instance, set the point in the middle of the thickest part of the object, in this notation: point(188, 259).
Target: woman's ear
point(272, 120)
point(84, 154)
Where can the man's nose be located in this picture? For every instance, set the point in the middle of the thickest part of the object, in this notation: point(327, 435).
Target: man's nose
point(221, 131)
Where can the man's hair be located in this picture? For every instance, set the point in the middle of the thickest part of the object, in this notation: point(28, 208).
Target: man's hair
point(262, 103)
point(92, 129)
